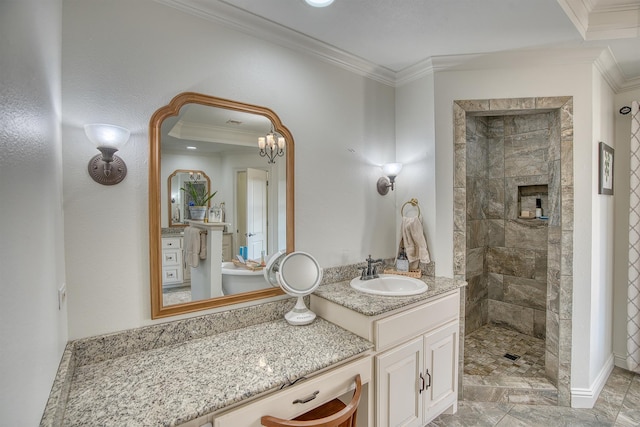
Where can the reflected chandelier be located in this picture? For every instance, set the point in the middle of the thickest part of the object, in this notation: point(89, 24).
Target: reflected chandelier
point(271, 146)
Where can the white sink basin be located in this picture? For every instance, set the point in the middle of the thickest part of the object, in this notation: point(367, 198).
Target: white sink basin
point(390, 285)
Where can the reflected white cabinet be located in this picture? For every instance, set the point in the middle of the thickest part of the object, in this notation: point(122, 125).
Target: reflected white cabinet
point(172, 268)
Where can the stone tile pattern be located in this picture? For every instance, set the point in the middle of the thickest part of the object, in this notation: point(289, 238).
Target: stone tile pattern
point(560, 224)
point(507, 168)
point(617, 405)
point(157, 387)
point(485, 349)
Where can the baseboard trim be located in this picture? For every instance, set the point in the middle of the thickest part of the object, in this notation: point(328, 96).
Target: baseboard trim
point(586, 397)
point(620, 360)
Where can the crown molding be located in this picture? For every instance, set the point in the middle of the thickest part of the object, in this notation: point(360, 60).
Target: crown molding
point(577, 10)
point(604, 23)
point(239, 20)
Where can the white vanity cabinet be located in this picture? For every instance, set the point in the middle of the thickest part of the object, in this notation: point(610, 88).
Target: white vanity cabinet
point(172, 268)
point(416, 359)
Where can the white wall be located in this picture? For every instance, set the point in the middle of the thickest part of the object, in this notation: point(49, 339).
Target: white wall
point(122, 76)
point(521, 76)
point(621, 238)
point(33, 332)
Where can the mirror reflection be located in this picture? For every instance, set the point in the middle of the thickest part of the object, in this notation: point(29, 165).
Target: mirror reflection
point(213, 149)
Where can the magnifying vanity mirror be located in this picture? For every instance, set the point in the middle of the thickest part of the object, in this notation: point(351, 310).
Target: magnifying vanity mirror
point(212, 144)
point(299, 274)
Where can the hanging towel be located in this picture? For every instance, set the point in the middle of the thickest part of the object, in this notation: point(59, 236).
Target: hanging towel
point(414, 242)
point(192, 246)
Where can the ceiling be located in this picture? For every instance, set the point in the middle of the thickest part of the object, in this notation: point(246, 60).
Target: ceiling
point(385, 38)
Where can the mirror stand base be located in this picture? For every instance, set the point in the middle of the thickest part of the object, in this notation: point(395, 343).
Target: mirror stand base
point(300, 314)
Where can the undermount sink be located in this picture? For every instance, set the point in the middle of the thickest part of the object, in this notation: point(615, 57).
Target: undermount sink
point(390, 285)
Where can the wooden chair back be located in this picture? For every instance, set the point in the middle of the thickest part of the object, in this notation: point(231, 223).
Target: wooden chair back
point(345, 417)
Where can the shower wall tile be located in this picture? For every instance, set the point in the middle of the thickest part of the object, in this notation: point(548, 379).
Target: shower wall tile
point(553, 210)
point(566, 262)
point(512, 262)
point(475, 262)
point(495, 285)
point(476, 316)
point(525, 234)
point(553, 331)
point(460, 170)
point(493, 198)
point(495, 127)
point(522, 124)
point(471, 105)
point(476, 289)
point(459, 253)
point(541, 266)
point(495, 158)
point(553, 290)
point(567, 208)
point(474, 199)
point(551, 102)
point(459, 208)
point(459, 124)
point(566, 297)
point(495, 232)
point(476, 156)
point(540, 324)
point(555, 136)
point(564, 371)
point(512, 104)
point(526, 154)
point(511, 316)
point(551, 367)
point(525, 292)
point(476, 234)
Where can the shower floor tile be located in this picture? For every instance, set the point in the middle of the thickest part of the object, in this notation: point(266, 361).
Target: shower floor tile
point(485, 349)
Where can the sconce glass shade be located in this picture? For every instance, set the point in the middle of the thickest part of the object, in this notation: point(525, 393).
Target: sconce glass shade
point(106, 168)
point(391, 170)
point(319, 3)
point(103, 135)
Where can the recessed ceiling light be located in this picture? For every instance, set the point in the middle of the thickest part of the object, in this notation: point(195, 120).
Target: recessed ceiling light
point(319, 3)
point(191, 147)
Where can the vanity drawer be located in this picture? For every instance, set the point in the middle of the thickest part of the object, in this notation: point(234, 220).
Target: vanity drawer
point(171, 275)
point(171, 258)
point(171, 242)
point(329, 385)
point(410, 323)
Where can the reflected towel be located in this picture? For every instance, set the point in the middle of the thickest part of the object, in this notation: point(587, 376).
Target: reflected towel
point(192, 246)
point(414, 241)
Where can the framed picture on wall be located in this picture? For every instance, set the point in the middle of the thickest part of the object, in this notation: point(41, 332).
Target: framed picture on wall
point(605, 170)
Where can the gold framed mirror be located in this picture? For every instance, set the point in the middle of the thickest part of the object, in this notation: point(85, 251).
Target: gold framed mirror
point(171, 130)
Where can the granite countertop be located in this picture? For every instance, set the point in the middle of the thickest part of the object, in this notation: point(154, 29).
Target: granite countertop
point(372, 305)
point(174, 384)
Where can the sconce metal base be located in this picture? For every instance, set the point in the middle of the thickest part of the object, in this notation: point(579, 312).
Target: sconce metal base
point(97, 170)
point(383, 185)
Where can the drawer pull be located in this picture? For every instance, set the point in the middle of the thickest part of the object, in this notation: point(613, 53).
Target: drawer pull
point(429, 383)
point(308, 398)
point(421, 389)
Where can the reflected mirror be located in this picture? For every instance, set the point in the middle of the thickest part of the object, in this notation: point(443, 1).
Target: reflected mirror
point(212, 144)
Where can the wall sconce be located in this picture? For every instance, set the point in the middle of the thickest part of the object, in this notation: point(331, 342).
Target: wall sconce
point(391, 170)
point(268, 146)
point(107, 168)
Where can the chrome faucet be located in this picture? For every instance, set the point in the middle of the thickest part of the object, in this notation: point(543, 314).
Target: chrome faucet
point(371, 270)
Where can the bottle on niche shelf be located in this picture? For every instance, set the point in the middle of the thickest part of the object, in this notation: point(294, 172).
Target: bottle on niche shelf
point(538, 207)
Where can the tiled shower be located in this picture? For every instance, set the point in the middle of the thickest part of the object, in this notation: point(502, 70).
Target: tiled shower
point(508, 163)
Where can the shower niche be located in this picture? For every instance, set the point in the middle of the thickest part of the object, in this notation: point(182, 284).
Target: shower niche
point(530, 198)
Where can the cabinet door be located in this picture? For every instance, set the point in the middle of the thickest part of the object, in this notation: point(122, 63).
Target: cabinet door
point(399, 396)
point(441, 370)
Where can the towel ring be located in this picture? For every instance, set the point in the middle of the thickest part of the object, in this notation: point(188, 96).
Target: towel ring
point(413, 202)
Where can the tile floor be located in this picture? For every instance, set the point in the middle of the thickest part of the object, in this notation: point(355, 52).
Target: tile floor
point(617, 405)
point(176, 295)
